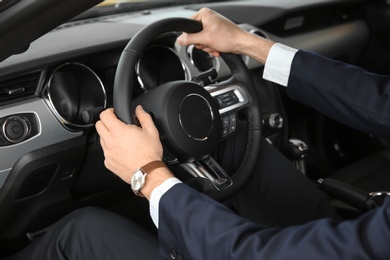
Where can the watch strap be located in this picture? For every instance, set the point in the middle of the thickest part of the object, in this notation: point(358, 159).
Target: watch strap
point(149, 167)
point(146, 169)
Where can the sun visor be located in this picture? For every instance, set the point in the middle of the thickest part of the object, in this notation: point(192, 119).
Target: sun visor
point(23, 21)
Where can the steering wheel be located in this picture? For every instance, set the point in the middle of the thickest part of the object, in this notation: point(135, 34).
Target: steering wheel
point(192, 119)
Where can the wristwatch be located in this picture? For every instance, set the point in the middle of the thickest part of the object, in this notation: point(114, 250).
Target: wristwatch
point(138, 179)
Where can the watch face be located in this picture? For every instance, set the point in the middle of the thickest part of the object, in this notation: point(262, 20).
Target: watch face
point(137, 181)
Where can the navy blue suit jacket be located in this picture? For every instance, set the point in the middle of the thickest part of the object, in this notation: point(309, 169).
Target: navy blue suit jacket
point(197, 227)
point(348, 94)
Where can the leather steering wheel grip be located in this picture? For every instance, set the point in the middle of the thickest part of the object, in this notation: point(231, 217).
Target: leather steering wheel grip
point(130, 55)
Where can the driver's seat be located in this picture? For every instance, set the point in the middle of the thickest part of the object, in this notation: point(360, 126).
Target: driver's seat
point(369, 174)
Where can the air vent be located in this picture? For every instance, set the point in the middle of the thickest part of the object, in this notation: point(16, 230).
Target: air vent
point(19, 87)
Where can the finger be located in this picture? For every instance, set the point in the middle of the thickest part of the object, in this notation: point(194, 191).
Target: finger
point(195, 16)
point(200, 46)
point(184, 39)
point(198, 16)
point(191, 38)
point(181, 39)
point(103, 133)
point(215, 54)
point(106, 111)
point(209, 50)
point(101, 128)
point(103, 144)
point(145, 119)
point(110, 120)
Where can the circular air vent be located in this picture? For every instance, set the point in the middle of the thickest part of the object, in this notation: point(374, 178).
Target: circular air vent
point(159, 64)
point(200, 59)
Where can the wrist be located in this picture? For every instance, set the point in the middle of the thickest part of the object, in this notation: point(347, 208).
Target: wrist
point(138, 179)
point(154, 179)
point(256, 47)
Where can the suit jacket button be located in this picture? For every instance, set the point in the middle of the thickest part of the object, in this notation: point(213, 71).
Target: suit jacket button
point(173, 254)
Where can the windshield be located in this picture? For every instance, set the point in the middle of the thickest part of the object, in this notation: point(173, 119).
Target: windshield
point(108, 7)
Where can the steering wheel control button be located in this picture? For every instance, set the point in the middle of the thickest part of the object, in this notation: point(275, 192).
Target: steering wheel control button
point(225, 121)
point(196, 117)
point(15, 129)
point(229, 124)
point(220, 102)
point(227, 99)
point(232, 123)
point(225, 132)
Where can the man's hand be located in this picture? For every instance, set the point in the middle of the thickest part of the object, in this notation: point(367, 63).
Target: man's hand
point(221, 35)
point(128, 147)
point(215, 27)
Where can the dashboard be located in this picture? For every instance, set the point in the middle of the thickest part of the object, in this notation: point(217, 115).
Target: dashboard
point(51, 95)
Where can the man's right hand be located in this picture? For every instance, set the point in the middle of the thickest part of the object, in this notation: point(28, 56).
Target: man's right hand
point(219, 34)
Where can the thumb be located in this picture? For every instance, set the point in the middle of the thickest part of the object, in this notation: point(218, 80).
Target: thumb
point(144, 119)
point(186, 39)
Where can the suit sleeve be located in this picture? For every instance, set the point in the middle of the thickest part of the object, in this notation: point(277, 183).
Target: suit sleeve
point(346, 93)
point(196, 227)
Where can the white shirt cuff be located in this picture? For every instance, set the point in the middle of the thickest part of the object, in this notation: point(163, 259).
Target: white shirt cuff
point(278, 64)
point(156, 195)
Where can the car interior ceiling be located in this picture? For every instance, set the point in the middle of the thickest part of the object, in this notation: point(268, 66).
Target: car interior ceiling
point(66, 171)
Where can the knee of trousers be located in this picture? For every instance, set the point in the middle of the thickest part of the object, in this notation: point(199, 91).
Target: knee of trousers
point(87, 218)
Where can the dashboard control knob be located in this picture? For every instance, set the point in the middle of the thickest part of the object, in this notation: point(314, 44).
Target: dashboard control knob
point(15, 129)
point(92, 116)
point(274, 120)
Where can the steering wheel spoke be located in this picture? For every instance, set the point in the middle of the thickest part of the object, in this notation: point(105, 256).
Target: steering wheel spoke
point(230, 97)
point(210, 170)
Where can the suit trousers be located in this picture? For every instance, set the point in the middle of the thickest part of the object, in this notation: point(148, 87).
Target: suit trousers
point(92, 234)
point(276, 195)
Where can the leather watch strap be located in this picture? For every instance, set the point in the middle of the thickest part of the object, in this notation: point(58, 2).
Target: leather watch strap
point(147, 168)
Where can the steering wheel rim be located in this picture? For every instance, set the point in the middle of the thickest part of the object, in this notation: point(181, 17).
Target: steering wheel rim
point(125, 78)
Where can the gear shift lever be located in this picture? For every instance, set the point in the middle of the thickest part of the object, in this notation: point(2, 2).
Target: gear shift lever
point(351, 195)
point(296, 151)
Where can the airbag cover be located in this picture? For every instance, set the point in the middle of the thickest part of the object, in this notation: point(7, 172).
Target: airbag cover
point(187, 117)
